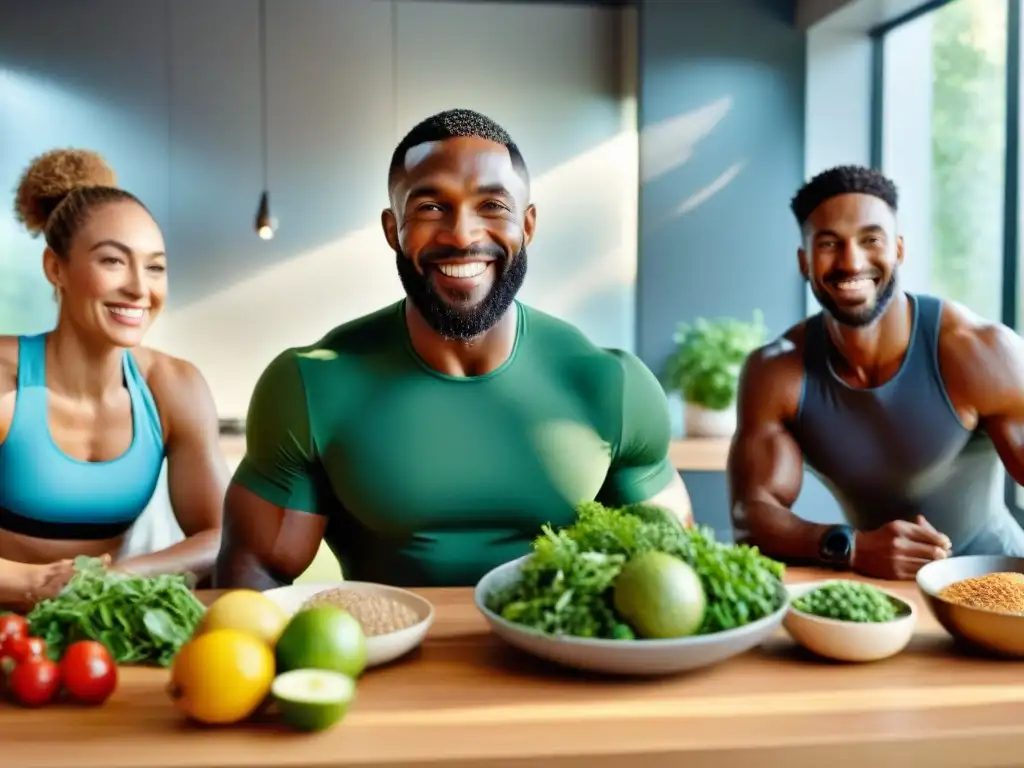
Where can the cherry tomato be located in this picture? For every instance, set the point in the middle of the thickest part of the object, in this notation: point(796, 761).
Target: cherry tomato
point(25, 648)
point(11, 625)
point(34, 682)
point(88, 672)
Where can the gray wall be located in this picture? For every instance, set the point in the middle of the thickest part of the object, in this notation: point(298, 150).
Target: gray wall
point(169, 92)
point(722, 153)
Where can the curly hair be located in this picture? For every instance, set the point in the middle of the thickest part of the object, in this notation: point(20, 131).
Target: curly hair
point(450, 124)
point(842, 180)
point(58, 191)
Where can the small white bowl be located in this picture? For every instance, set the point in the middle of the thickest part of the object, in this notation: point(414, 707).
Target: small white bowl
point(848, 640)
point(380, 649)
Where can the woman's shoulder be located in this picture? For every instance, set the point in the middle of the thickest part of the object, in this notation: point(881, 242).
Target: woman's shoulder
point(177, 386)
point(166, 373)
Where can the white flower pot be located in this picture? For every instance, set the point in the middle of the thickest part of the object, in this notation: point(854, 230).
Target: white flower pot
point(705, 422)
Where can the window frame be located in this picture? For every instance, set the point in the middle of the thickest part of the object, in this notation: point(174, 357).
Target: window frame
point(1012, 205)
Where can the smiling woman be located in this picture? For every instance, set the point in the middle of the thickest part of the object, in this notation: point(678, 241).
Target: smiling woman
point(85, 424)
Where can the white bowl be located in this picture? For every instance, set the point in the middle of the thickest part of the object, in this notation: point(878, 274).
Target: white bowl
point(622, 657)
point(849, 640)
point(380, 649)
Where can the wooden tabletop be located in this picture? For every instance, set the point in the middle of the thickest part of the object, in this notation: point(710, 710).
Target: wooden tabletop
point(464, 700)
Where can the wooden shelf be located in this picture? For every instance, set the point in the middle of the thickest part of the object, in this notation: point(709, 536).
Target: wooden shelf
point(694, 454)
point(700, 454)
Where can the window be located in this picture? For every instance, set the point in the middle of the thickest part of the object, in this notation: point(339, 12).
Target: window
point(947, 128)
point(943, 141)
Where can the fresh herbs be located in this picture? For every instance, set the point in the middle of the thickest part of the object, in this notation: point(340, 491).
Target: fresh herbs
point(565, 587)
point(139, 620)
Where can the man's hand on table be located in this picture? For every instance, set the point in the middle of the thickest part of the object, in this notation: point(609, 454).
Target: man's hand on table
point(898, 550)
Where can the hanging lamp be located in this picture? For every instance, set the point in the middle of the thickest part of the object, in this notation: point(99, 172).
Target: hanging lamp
point(265, 224)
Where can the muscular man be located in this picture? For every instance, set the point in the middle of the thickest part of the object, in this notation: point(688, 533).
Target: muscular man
point(904, 405)
point(429, 441)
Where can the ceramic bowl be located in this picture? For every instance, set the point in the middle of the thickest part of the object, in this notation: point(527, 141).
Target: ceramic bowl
point(380, 649)
point(988, 631)
point(622, 657)
point(849, 640)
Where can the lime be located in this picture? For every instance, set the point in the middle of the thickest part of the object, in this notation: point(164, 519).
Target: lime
point(660, 596)
point(324, 637)
point(313, 699)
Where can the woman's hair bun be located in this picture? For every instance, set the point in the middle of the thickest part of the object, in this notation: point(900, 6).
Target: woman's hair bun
point(51, 177)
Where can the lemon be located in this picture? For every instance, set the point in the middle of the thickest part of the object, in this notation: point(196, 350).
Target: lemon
point(247, 611)
point(660, 596)
point(221, 676)
point(313, 699)
point(325, 637)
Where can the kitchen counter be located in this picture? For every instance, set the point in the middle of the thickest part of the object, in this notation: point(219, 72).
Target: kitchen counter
point(465, 700)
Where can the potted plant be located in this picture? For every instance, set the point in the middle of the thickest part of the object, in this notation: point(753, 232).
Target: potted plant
point(705, 370)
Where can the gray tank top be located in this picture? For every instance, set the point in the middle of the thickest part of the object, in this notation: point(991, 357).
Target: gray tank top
point(898, 450)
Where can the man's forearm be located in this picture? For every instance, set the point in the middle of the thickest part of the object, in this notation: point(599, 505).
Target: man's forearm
point(777, 532)
point(240, 570)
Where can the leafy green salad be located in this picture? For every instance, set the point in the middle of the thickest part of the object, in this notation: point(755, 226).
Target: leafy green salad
point(568, 586)
point(139, 620)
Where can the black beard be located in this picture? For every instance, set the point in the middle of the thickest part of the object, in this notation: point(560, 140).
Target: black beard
point(867, 316)
point(463, 324)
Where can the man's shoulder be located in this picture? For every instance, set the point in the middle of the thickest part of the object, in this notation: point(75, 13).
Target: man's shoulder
point(964, 333)
point(546, 329)
point(782, 356)
point(363, 333)
point(974, 352)
point(366, 333)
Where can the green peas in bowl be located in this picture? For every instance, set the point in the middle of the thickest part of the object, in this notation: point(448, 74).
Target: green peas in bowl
point(849, 620)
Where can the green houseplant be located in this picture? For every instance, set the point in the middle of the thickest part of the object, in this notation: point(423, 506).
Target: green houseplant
point(705, 369)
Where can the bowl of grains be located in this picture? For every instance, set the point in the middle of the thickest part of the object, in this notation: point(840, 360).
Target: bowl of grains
point(979, 600)
point(394, 620)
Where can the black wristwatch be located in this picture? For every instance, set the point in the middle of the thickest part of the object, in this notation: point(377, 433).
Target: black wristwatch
point(836, 546)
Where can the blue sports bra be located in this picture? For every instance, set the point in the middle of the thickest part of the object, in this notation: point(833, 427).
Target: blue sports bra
point(49, 495)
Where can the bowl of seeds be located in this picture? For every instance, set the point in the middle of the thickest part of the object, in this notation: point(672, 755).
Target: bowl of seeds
point(849, 620)
point(395, 621)
point(979, 600)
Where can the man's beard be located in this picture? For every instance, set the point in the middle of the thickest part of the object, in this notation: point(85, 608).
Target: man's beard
point(859, 318)
point(452, 322)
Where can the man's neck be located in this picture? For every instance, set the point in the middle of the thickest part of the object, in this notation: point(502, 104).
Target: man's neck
point(463, 358)
point(870, 355)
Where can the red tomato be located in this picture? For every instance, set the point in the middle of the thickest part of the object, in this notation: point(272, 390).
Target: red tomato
point(34, 682)
point(25, 648)
point(11, 625)
point(88, 672)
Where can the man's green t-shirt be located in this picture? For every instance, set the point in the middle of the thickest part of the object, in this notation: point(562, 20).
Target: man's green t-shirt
point(430, 480)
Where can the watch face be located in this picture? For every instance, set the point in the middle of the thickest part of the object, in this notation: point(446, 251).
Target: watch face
point(837, 544)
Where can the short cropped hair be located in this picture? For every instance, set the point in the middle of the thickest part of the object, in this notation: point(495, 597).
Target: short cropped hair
point(451, 124)
point(842, 180)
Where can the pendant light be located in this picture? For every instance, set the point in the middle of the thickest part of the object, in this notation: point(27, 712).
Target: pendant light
point(264, 223)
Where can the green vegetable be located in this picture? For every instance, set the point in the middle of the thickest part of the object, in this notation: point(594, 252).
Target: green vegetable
point(848, 600)
point(566, 587)
point(139, 620)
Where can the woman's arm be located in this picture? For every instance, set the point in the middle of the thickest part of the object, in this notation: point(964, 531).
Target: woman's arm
point(197, 474)
point(22, 585)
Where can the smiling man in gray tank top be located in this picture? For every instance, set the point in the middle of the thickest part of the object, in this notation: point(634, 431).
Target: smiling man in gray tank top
point(907, 407)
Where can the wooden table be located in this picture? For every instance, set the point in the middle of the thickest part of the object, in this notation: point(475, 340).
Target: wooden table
point(464, 700)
